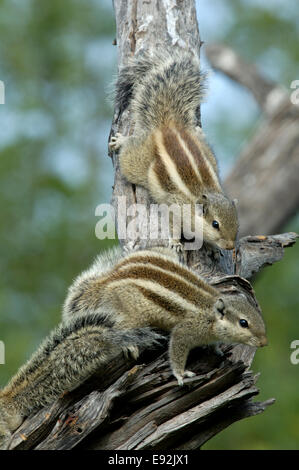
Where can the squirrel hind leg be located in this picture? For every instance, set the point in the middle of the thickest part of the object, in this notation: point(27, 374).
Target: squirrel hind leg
point(136, 153)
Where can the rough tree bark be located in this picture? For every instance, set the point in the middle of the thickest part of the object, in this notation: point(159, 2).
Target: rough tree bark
point(265, 177)
point(140, 406)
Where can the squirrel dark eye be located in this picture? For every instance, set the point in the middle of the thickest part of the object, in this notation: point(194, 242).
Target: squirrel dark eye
point(244, 323)
point(215, 224)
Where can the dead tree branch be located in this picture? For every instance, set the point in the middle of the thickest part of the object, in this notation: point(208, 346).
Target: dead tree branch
point(265, 177)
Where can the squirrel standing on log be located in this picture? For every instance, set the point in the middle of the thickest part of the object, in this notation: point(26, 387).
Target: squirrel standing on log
point(112, 308)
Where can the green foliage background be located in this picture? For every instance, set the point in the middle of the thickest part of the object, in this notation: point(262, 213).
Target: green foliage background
point(57, 60)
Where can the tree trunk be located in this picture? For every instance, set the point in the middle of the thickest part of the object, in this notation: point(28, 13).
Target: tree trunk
point(140, 406)
point(265, 177)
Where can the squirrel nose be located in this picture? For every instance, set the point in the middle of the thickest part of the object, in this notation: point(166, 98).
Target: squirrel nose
point(230, 245)
point(264, 341)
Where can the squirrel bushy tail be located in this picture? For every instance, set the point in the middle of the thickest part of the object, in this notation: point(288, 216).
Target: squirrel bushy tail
point(160, 88)
point(65, 359)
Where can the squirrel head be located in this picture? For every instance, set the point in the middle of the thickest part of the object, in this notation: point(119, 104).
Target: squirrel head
point(237, 320)
point(220, 220)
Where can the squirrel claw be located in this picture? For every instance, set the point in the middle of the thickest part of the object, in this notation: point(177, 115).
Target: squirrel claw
point(189, 373)
point(178, 247)
point(116, 141)
point(131, 352)
point(130, 246)
point(180, 377)
point(218, 351)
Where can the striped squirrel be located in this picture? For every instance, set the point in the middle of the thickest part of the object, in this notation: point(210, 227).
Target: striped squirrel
point(168, 153)
point(152, 288)
point(112, 307)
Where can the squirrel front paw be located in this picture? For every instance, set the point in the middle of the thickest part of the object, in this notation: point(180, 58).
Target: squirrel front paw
point(130, 246)
point(180, 377)
point(116, 141)
point(178, 247)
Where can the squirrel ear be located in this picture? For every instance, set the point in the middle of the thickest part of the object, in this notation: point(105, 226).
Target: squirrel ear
point(219, 304)
point(203, 200)
point(235, 202)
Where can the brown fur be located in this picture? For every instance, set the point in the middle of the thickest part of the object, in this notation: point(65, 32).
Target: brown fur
point(164, 96)
point(151, 288)
point(110, 309)
point(69, 356)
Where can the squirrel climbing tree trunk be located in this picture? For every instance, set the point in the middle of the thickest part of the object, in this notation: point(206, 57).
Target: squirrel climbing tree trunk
point(139, 406)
